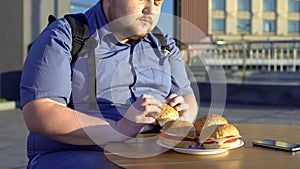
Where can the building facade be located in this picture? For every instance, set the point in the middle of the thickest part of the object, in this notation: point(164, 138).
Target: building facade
point(21, 22)
point(232, 20)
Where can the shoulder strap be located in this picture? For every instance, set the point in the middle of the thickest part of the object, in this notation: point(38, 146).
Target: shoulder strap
point(80, 33)
point(51, 19)
point(162, 40)
point(80, 39)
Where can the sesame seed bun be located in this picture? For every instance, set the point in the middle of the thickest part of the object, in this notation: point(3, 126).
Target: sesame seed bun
point(168, 113)
point(223, 136)
point(209, 120)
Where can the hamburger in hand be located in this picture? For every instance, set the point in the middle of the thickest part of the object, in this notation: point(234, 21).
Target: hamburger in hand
point(178, 133)
point(223, 136)
point(168, 113)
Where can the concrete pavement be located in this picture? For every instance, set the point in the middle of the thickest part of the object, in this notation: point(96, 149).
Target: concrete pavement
point(13, 131)
point(12, 140)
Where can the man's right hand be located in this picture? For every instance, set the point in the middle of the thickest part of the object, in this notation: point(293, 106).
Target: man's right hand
point(142, 112)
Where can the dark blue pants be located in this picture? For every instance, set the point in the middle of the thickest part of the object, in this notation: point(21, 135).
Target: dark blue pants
point(71, 160)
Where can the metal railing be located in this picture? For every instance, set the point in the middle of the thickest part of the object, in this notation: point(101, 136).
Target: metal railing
point(283, 56)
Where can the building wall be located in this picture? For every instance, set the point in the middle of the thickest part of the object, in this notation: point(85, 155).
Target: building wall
point(24, 20)
point(11, 35)
point(21, 22)
point(195, 20)
point(256, 16)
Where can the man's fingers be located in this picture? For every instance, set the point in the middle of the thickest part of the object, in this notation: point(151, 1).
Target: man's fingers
point(147, 100)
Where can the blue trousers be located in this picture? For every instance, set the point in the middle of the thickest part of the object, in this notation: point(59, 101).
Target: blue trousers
point(71, 160)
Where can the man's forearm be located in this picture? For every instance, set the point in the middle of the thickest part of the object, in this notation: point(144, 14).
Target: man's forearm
point(193, 107)
point(63, 124)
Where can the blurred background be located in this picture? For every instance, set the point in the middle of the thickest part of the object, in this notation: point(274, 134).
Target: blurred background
point(255, 44)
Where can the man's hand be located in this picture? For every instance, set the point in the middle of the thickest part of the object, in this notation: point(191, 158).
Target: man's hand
point(144, 110)
point(140, 113)
point(185, 105)
point(178, 103)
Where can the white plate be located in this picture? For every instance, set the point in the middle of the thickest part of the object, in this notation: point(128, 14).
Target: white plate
point(241, 143)
point(198, 150)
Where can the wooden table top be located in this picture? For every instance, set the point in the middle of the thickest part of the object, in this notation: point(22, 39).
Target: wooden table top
point(143, 152)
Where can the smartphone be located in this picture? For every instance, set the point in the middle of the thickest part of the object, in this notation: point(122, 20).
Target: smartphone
point(281, 145)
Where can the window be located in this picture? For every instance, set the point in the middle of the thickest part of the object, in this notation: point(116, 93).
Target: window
point(269, 26)
point(218, 4)
point(218, 25)
point(243, 25)
point(269, 5)
point(166, 21)
point(293, 26)
point(294, 5)
point(244, 5)
point(79, 6)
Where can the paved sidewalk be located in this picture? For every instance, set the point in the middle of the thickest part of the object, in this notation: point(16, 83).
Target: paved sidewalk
point(12, 140)
point(13, 131)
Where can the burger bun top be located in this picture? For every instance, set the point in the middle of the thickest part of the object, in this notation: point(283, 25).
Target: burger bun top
point(168, 113)
point(208, 120)
point(222, 131)
point(180, 128)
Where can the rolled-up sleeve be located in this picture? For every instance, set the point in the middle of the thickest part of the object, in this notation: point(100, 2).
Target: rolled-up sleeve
point(46, 71)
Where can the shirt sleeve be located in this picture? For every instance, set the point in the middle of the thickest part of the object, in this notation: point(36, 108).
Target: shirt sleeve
point(47, 71)
point(181, 84)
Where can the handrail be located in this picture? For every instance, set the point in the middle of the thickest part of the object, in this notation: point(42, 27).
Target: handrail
point(282, 55)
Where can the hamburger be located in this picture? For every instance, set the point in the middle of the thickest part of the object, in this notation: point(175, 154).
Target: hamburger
point(178, 133)
point(168, 113)
point(223, 136)
point(209, 120)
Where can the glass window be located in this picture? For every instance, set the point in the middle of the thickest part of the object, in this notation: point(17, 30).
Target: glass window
point(293, 26)
point(166, 20)
point(269, 5)
point(269, 26)
point(294, 5)
point(218, 4)
point(218, 25)
point(244, 5)
point(79, 6)
point(243, 25)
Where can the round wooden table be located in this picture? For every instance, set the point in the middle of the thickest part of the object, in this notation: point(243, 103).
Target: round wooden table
point(144, 153)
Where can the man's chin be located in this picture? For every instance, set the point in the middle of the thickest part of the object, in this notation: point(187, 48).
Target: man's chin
point(138, 36)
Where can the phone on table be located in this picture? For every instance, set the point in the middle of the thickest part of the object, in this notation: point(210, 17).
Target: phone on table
point(281, 145)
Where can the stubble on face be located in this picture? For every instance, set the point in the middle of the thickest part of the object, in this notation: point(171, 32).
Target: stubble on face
point(131, 27)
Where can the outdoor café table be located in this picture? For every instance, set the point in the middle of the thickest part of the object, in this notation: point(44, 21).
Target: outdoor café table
point(144, 153)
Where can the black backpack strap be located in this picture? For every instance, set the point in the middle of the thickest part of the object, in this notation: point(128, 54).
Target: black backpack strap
point(162, 40)
point(80, 33)
point(91, 45)
point(81, 40)
point(51, 19)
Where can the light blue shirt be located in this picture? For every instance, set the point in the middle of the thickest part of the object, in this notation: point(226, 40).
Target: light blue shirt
point(123, 72)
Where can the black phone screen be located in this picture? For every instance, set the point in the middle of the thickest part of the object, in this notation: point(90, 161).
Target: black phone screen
point(277, 145)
